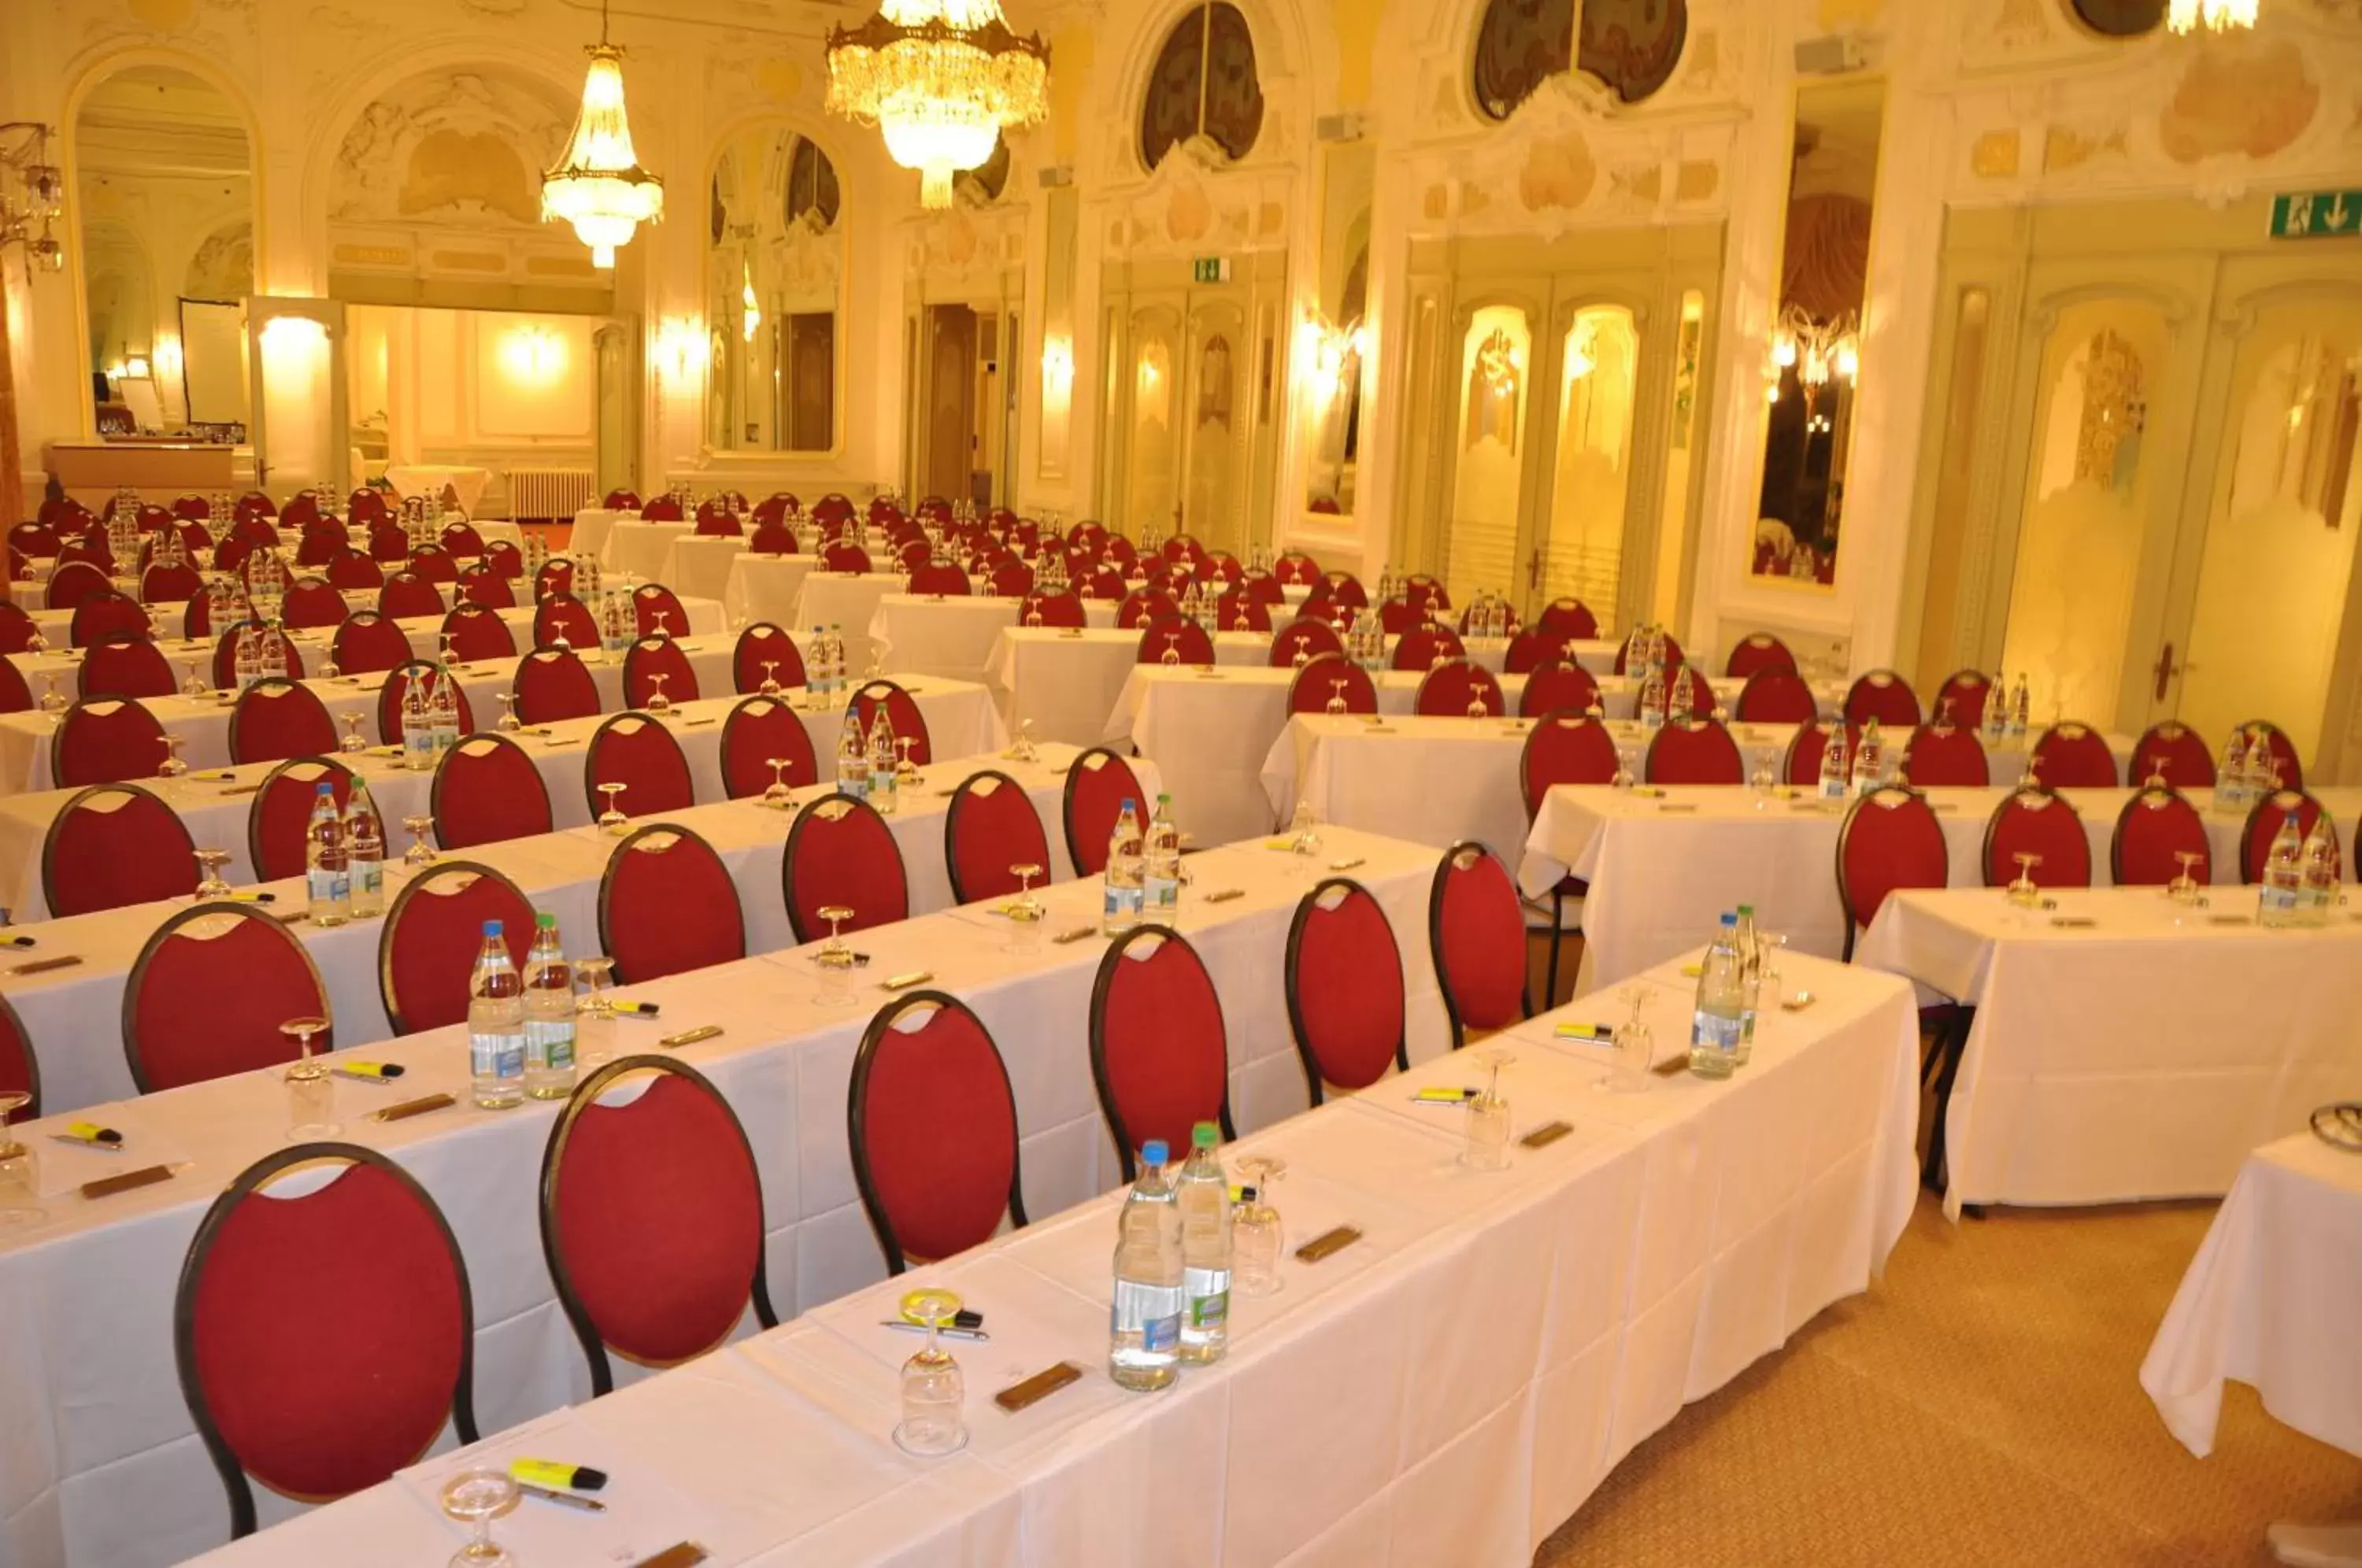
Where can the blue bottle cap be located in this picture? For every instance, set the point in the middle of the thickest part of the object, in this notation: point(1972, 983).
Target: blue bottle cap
point(1155, 1153)
point(491, 928)
point(1130, 804)
point(1730, 918)
point(325, 789)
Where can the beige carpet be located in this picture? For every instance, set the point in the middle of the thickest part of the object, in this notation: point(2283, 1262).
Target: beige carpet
point(1980, 1407)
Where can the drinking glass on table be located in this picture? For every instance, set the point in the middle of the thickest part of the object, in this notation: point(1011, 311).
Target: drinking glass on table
point(1488, 1117)
point(209, 880)
point(508, 722)
point(311, 1095)
point(194, 684)
point(594, 1012)
point(2185, 888)
point(835, 960)
point(1257, 1237)
point(2023, 892)
point(612, 822)
point(1172, 656)
point(1624, 778)
point(906, 772)
point(1634, 1044)
point(1336, 703)
point(777, 794)
point(1025, 913)
point(770, 686)
point(20, 1179)
point(1304, 833)
point(1762, 779)
point(171, 770)
point(53, 702)
point(353, 741)
point(658, 703)
point(932, 1388)
point(476, 1497)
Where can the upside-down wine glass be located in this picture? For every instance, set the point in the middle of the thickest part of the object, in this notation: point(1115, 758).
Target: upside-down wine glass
point(209, 882)
point(770, 687)
point(2184, 888)
point(1257, 1237)
point(835, 960)
point(1634, 1042)
point(611, 821)
point(311, 1095)
point(1172, 656)
point(353, 741)
point(2023, 894)
point(20, 1182)
point(933, 1388)
point(906, 772)
point(421, 852)
point(476, 1497)
point(1336, 703)
point(778, 794)
point(171, 770)
point(194, 684)
point(508, 721)
point(1025, 913)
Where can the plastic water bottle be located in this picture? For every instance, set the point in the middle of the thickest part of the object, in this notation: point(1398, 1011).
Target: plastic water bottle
point(852, 760)
point(1160, 878)
point(1126, 889)
point(495, 1025)
point(2021, 705)
point(1716, 1022)
point(327, 870)
point(1652, 699)
point(443, 709)
point(881, 764)
point(549, 1014)
point(1144, 1318)
point(2263, 770)
point(1750, 983)
point(365, 847)
point(1204, 1199)
point(2231, 777)
point(2283, 888)
point(2320, 867)
point(1834, 763)
point(1869, 760)
point(418, 753)
point(1994, 722)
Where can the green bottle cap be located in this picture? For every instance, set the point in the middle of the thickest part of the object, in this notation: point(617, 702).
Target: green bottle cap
point(546, 921)
point(1205, 1135)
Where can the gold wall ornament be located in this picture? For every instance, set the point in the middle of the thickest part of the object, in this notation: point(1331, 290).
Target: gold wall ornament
point(2115, 410)
point(2210, 16)
point(598, 185)
point(941, 78)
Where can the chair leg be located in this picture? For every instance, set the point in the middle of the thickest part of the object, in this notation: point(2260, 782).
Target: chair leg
point(1558, 935)
point(1954, 1045)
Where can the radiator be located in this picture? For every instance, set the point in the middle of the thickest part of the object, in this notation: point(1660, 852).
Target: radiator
point(554, 494)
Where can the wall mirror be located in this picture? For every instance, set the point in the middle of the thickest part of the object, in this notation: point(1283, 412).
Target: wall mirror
point(775, 278)
point(165, 192)
point(1333, 340)
point(1811, 381)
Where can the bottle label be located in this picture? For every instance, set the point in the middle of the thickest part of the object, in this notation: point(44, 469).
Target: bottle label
point(369, 878)
point(496, 1055)
point(1163, 894)
point(326, 888)
point(1714, 1031)
point(1209, 1312)
point(1161, 1333)
point(549, 1043)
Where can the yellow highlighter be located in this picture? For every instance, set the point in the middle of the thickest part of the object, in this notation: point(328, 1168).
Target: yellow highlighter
point(553, 1473)
point(91, 1135)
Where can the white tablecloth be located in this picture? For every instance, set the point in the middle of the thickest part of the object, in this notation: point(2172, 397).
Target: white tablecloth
point(1662, 868)
point(2269, 1300)
point(766, 588)
point(933, 635)
point(429, 478)
point(698, 564)
point(1065, 682)
point(592, 526)
point(1639, 1262)
point(633, 548)
point(110, 1464)
point(2137, 1058)
point(849, 599)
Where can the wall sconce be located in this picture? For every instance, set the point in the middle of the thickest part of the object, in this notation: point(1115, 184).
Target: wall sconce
point(752, 313)
point(1817, 352)
point(1058, 367)
point(1323, 346)
point(34, 198)
point(534, 354)
point(681, 348)
point(136, 367)
point(167, 359)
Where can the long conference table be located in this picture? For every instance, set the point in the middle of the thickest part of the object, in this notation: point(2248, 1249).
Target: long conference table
point(1466, 1374)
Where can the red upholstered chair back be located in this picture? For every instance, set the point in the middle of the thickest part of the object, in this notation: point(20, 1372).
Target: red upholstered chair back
point(841, 853)
point(1802, 766)
point(660, 509)
point(459, 541)
point(933, 1129)
point(1564, 748)
point(352, 571)
point(758, 729)
point(253, 504)
point(427, 951)
point(123, 664)
point(1476, 934)
point(1344, 988)
point(1239, 611)
point(621, 501)
point(1557, 686)
point(1941, 756)
point(16, 629)
point(1755, 652)
point(1690, 693)
point(174, 583)
point(2264, 825)
point(843, 555)
point(487, 790)
point(2283, 750)
point(312, 603)
point(941, 578)
point(902, 711)
point(108, 614)
point(74, 580)
point(714, 521)
point(772, 539)
point(477, 632)
point(1313, 637)
point(365, 505)
point(761, 643)
point(652, 1216)
point(992, 826)
point(369, 1253)
point(1013, 579)
point(105, 742)
point(666, 904)
point(277, 822)
point(773, 508)
point(1341, 588)
point(1098, 784)
point(280, 718)
point(1570, 618)
point(112, 845)
point(396, 685)
point(1673, 653)
point(1143, 605)
point(1329, 677)
point(1960, 699)
point(1552, 645)
point(659, 608)
point(2037, 819)
point(1421, 645)
point(281, 657)
point(640, 753)
point(506, 562)
point(388, 543)
point(1890, 840)
point(300, 511)
point(562, 618)
point(1446, 690)
point(2175, 753)
point(1396, 616)
point(16, 697)
point(91, 550)
point(555, 577)
point(34, 539)
point(1185, 638)
point(1885, 696)
point(2075, 756)
point(1695, 751)
point(649, 657)
point(1063, 611)
point(1294, 567)
point(1106, 583)
point(19, 1068)
point(553, 683)
point(1775, 695)
point(434, 564)
point(2156, 827)
point(408, 595)
point(1160, 1053)
point(480, 585)
point(831, 507)
point(208, 992)
point(1528, 651)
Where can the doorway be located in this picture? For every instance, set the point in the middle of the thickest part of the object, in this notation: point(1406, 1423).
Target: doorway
point(960, 418)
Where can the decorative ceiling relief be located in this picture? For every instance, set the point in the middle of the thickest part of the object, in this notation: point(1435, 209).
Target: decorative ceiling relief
point(1197, 198)
point(2239, 102)
point(456, 149)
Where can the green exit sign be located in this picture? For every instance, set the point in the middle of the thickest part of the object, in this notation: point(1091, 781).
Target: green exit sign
point(1209, 269)
point(2313, 215)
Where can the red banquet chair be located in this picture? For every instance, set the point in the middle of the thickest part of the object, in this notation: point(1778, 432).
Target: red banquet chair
point(105, 742)
point(368, 1251)
point(1776, 696)
point(1160, 1053)
point(2264, 825)
point(303, 510)
point(657, 609)
point(843, 555)
point(1687, 693)
point(350, 571)
point(319, 545)
point(902, 716)
point(432, 934)
point(772, 536)
point(650, 658)
point(840, 853)
point(1528, 651)
point(658, 1271)
point(486, 588)
point(1063, 611)
point(106, 614)
point(395, 687)
point(1557, 686)
point(1885, 696)
point(1344, 988)
point(437, 563)
point(504, 561)
point(279, 654)
point(281, 816)
point(1755, 652)
point(553, 683)
point(1310, 638)
point(621, 501)
point(122, 665)
point(313, 604)
point(1237, 610)
point(1476, 936)
point(2074, 757)
point(175, 583)
point(16, 697)
point(757, 730)
point(1294, 567)
point(2175, 753)
point(1940, 756)
point(1186, 640)
point(1422, 647)
point(388, 544)
point(942, 579)
point(933, 1123)
point(1339, 588)
point(1399, 616)
point(1516, 627)
point(1098, 782)
point(366, 506)
point(2037, 820)
point(1571, 619)
point(661, 509)
point(486, 790)
point(1011, 579)
point(71, 582)
point(1106, 583)
point(16, 629)
point(1695, 751)
point(1143, 605)
point(208, 992)
point(667, 905)
point(714, 520)
point(555, 577)
point(1674, 659)
point(2283, 750)
point(2156, 828)
point(638, 755)
point(476, 632)
point(560, 619)
point(1960, 699)
point(1802, 767)
point(764, 652)
point(1330, 678)
point(279, 718)
point(112, 845)
point(1890, 840)
point(991, 828)
point(1449, 690)
point(408, 595)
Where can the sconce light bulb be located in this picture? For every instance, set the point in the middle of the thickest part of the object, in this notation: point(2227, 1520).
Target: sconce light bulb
point(1784, 351)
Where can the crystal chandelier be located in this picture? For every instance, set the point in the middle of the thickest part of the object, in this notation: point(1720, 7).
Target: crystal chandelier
point(941, 79)
point(2210, 16)
point(598, 185)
